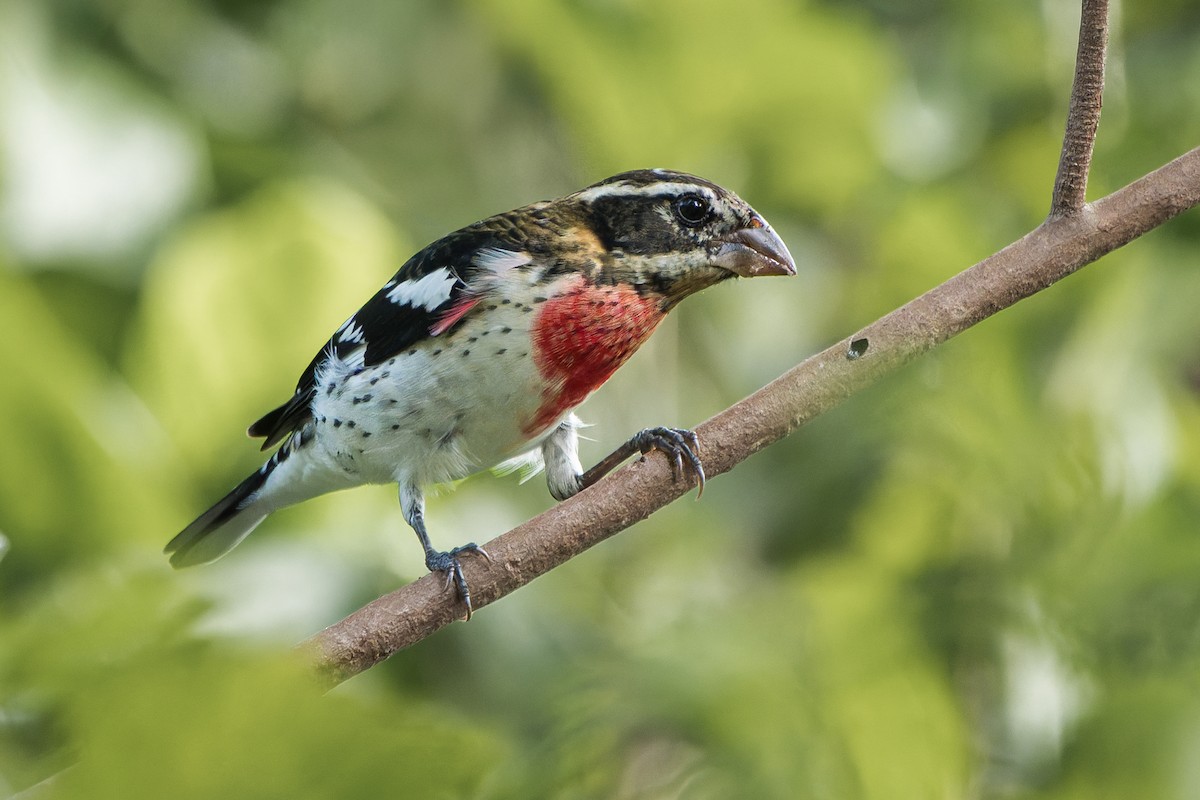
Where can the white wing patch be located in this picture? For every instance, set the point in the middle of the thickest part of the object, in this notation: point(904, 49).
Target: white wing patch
point(428, 291)
point(350, 332)
point(499, 261)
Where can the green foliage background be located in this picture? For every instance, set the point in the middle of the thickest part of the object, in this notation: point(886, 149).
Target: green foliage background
point(980, 579)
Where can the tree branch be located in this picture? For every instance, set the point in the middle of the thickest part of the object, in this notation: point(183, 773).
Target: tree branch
point(1074, 234)
point(1049, 253)
point(1083, 114)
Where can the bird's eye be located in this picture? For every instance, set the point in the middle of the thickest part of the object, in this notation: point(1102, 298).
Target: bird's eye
point(691, 210)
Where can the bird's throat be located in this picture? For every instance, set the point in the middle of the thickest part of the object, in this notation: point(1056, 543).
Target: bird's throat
point(581, 336)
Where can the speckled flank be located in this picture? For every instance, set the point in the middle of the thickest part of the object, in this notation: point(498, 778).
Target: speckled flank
point(413, 419)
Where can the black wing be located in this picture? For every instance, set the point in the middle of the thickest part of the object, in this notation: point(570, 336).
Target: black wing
point(428, 296)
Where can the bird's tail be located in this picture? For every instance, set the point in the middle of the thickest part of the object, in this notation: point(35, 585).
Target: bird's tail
point(218, 530)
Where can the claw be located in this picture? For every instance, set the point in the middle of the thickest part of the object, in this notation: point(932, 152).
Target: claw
point(449, 563)
point(676, 444)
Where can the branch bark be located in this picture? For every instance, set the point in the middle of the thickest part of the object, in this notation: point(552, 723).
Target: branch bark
point(1049, 253)
point(1074, 234)
point(1083, 113)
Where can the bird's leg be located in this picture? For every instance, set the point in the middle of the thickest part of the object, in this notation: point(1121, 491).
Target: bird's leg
point(679, 445)
point(412, 503)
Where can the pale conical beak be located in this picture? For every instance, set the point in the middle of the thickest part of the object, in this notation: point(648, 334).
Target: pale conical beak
point(755, 250)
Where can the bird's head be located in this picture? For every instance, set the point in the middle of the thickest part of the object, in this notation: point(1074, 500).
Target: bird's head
point(674, 234)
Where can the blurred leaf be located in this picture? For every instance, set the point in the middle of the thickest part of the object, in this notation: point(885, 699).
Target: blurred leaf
point(79, 447)
point(157, 714)
point(612, 68)
point(238, 302)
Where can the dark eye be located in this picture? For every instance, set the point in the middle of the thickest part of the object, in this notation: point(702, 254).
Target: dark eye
point(691, 210)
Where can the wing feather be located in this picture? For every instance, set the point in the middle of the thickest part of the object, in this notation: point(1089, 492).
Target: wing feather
point(430, 295)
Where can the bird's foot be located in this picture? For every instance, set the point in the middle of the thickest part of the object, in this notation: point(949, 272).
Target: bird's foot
point(679, 445)
point(448, 562)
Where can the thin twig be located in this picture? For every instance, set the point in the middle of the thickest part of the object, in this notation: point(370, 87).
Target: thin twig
point(1083, 113)
point(1054, 250)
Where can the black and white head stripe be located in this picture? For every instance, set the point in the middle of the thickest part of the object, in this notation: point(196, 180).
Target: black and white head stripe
point(652, 177)
point(659, 212)
point(650, 183)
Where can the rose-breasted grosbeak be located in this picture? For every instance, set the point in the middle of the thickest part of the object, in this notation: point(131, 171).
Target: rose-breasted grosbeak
point(481, 345)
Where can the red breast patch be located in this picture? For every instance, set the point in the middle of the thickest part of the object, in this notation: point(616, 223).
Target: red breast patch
point(581, 337)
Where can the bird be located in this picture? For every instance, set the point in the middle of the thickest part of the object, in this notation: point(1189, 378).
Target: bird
point(475, 354)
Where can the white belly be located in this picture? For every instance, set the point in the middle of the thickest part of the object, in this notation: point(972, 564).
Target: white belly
point(439, 412)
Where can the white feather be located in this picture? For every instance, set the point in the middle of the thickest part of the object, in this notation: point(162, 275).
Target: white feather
point(428, 291)
point(351, 332)
point(499, 261)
